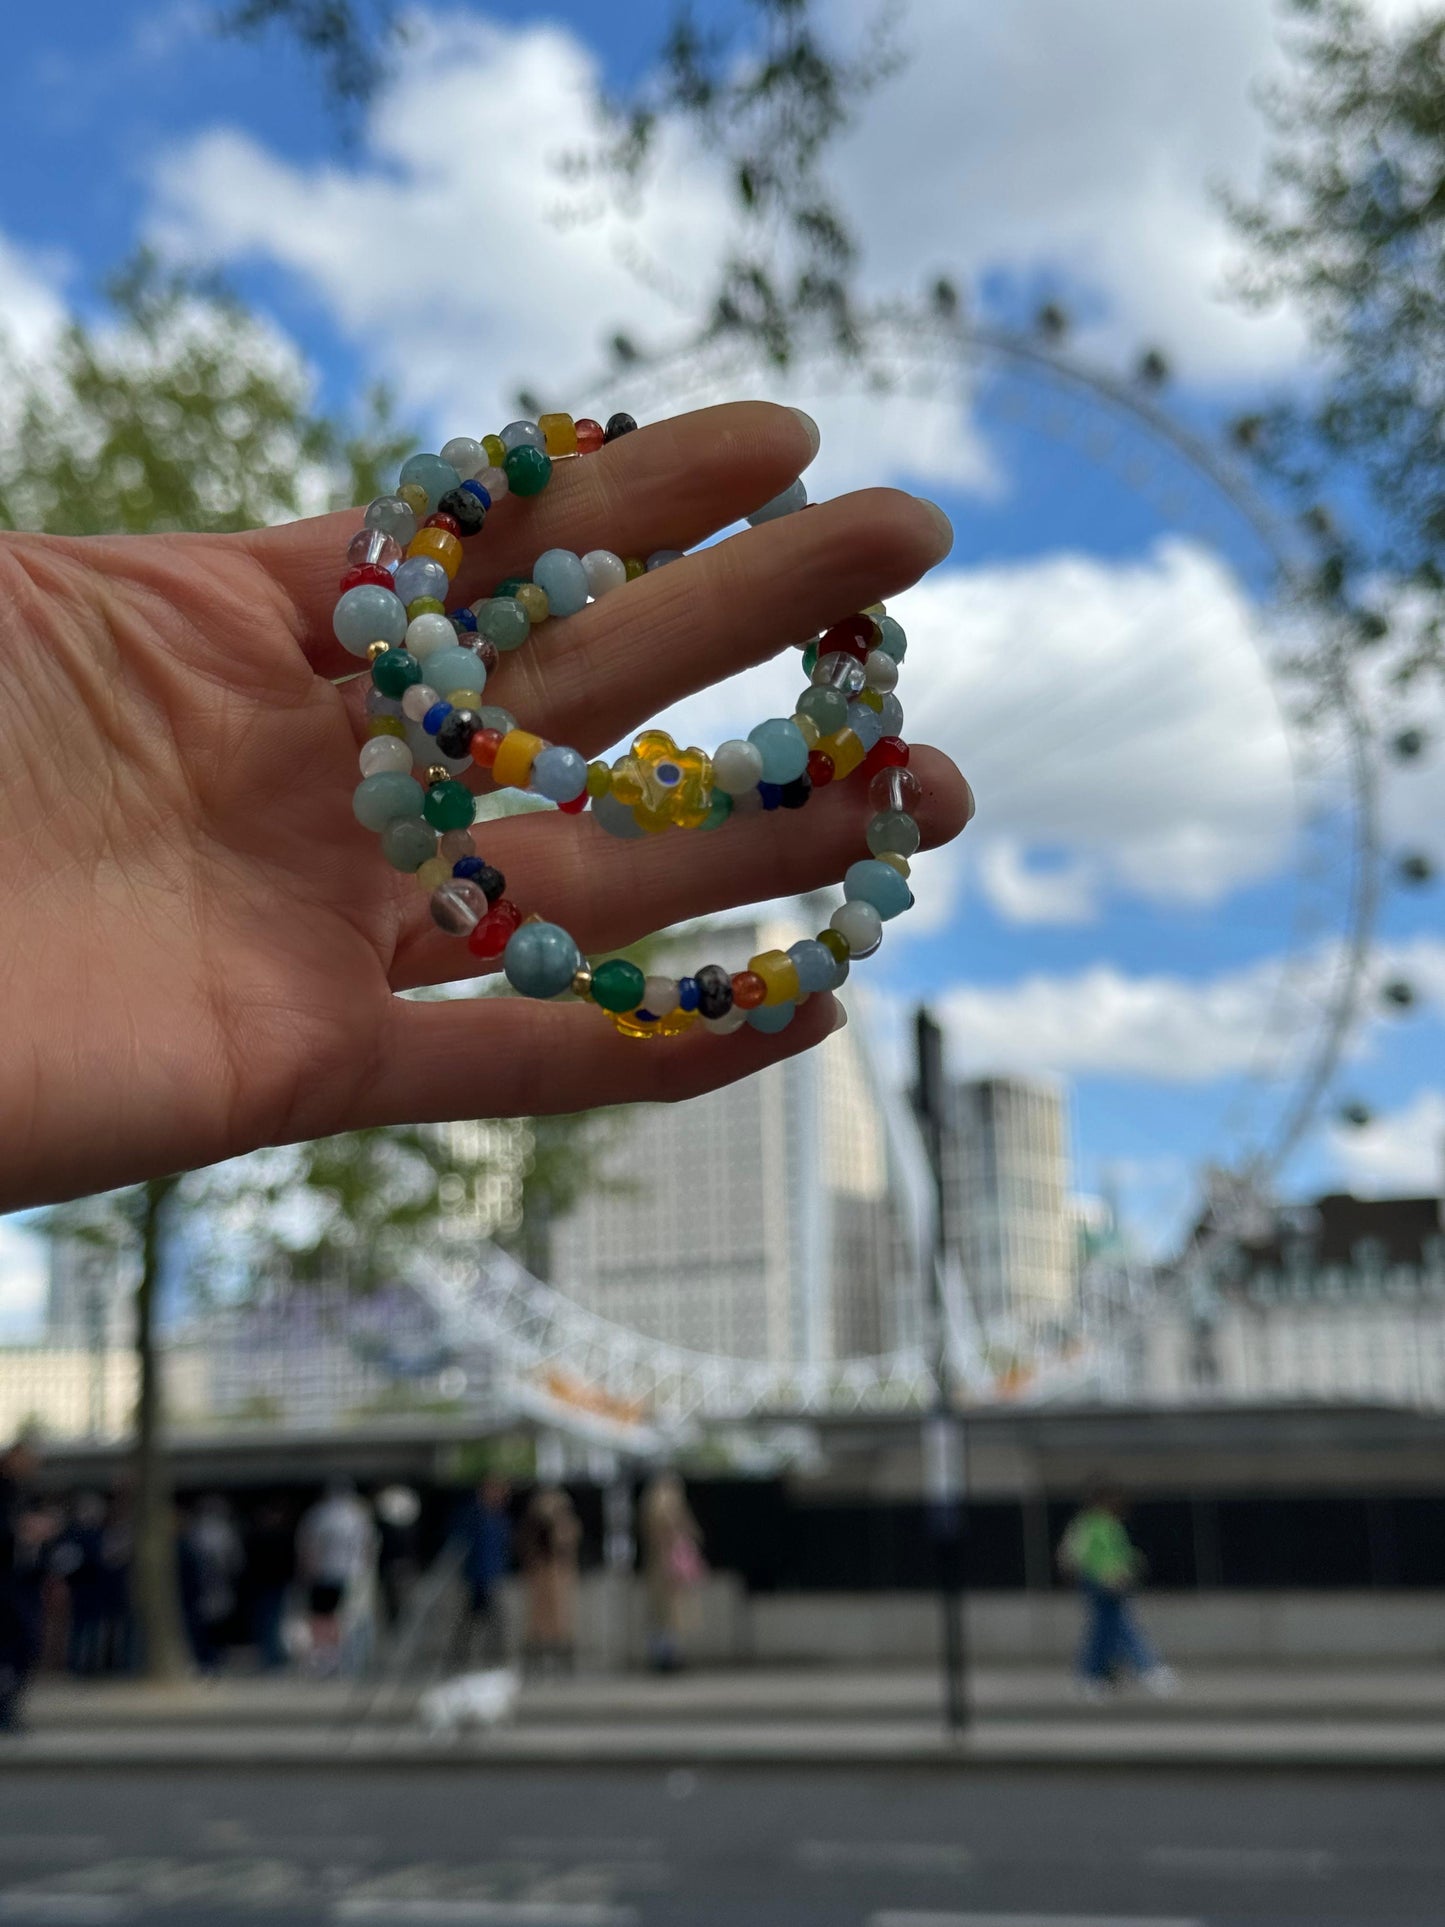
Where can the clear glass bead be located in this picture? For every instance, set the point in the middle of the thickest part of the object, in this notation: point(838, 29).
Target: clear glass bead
point(895, 789)
point(458, 907)
point(838, 670)
point(373, 548)
point(464, 453)
point(393, 517)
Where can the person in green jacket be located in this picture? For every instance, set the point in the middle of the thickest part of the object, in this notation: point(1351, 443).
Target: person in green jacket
point(1097, 1553)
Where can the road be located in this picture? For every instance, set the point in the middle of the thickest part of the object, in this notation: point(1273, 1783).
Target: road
point(477, 1848)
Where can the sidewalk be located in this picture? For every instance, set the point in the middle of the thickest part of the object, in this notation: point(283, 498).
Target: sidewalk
point(798, 1717)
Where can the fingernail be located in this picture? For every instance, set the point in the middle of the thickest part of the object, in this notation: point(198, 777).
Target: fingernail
point(972, 803)
point(814, 435)
point(945, 527)
point(840, 1017)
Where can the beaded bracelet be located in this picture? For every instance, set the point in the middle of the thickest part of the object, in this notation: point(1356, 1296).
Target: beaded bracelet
point(428, 673)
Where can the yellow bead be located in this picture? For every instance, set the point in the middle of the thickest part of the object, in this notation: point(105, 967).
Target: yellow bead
point(779, 973)
point(873, 698)
point(533, 598)
point(894, 861)
point(875, 609)
point(425, 605)
point(513, 765)
point(844, 750)
point(634, 568)
point(440, 544)
point(835, 941)
point(807, 729)
point(560, 434)
point(386, 726)
point(599, 779)
point(434, 873)
point(415, 497)
point(495, 450)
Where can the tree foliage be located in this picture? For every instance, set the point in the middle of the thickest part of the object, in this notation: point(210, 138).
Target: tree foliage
point(1349, 227)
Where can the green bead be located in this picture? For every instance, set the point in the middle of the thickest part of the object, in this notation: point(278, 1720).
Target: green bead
point(719, 812)
point(617, 984)
point(449, 806)
point(503, 621)
point(510, 586)
point(827, 707)
point(892, 640)
point(528, 471)
point(408, 843)
point(395, 672)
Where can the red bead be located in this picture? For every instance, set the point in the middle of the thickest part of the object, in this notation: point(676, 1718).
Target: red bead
point(749, 990)
point(820, 768)
point(576, 806)
point(889, 752)
point(855, 637)
point(590, 435)
point(366, 572)
point(447, 522)
point(489, 938)
point(485, 745)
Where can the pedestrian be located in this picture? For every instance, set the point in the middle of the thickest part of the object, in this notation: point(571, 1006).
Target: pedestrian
point(270, 1571)
point(673, 1569)
point(212, 1560)
point(484, 1528)
point(80, 1558)
point(1096, 1552)
point(27, 1533)
point(117, 1549)
point(398, 1520)
point(336, 1545)
point(547, 1552)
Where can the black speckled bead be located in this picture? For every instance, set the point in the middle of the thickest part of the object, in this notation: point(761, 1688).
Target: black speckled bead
point(454, 738)
point(714, 991)
point(490, 882)
point(465, 510)
point(619, 425)
point(796, 793)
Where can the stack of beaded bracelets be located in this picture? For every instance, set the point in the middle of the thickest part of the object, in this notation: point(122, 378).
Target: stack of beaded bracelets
point(428, 674)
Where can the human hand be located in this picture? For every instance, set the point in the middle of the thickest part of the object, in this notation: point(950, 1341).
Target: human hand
point(204, 944)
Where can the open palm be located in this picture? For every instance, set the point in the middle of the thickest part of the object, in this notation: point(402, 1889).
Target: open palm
point(202, 944)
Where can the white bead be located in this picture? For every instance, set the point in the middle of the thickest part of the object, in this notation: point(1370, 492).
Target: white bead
point(463, 453)
point(660, 995)
point(737, 766)
point(418, 700)
point(426, 634)
point(493, 480)
point(725, 1025)
point(880, 671)
point(605, 572)
point(380, 753)
point(860, 925)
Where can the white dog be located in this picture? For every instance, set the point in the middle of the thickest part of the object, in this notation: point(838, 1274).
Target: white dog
point(470, 1700)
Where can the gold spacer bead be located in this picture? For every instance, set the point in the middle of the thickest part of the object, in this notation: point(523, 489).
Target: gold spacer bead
point(438, 773)
point(375, 649)
point(582, 981)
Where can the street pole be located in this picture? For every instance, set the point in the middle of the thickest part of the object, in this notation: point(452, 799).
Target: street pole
point(943, 1438)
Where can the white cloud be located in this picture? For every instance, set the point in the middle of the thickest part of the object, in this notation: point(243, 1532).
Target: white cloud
point(1063, 893)
point(1396, 1153)
point(23, 1279)
point(31, 310)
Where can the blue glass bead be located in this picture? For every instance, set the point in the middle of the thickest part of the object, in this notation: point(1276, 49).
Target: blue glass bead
point(433, 474)
point(687, 993)
point(870, 881)
point(616, 818)
point(771, 795)
point(381, 799)
point(367, 614)
point(559, 773)
point(435, 717)
point(421, 575)
point(468, 866)
point(484, 496)
point(522, 435)
point(463, 619)
point(503, 621)
point(891, 715)
point(891, 639)
point(814, 962)
point(865, 722)
point(783, 750)
point(563, 577)
point(660, 558)
point(771, 1017)
point(541, 960)
point(793, 498)
point(448, 670)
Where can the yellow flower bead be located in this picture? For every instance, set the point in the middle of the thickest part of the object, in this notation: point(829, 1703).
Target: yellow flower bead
point(441, 545)
point(415, 497)
point(675, 1022)
point(599, 779)
point(533, 598)
point(495, 450)
point(844, 750)
point(559, 432)
point(894, 861)
point(386, 726)
point(434, 873)
point(779, 973)
point(517, 753)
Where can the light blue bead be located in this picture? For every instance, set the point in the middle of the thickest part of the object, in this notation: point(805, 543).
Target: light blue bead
point(381, 799)
point(378, 705)
point(616, 818)
point(660, 558)
point(523, 435)
point(869, 881)
point(541, 960)
point(425, 752)
point(559, 773)
point(782, 748)
point(891, 715)
point(814, 963)
point(793, 498)
point(562, 575)
point(421, 575)
point(437, 477)
point(493, 716)
point(771, 1017)
point(451, 669)
point(368, 614)
point(503, 621)
point(866, 723)
point(891, 639)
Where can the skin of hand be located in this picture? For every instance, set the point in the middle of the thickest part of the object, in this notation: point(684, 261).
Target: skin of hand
point(203, 944)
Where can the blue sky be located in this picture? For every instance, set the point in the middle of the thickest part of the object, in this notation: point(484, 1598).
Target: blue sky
point(1091, 653)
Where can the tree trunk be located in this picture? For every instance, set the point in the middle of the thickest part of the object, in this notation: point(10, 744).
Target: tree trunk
point(153, 1572)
